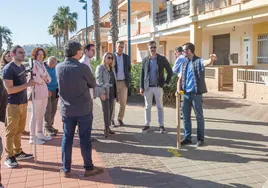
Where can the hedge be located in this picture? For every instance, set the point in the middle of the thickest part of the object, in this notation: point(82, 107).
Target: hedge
point(169, 90)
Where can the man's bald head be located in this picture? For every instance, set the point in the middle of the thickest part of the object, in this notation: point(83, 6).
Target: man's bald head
point(52, 61)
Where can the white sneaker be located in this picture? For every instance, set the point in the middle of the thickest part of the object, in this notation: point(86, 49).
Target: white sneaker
point(41, 136)
point(37, 141)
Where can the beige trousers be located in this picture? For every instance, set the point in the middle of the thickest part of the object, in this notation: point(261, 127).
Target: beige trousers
point(122, 91)
point(16, 119)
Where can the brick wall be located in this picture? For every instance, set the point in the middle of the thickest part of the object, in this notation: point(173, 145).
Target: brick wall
point(213, 78)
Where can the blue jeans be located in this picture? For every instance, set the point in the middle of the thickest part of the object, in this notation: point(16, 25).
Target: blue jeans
point(85, 127)
point(195, 101)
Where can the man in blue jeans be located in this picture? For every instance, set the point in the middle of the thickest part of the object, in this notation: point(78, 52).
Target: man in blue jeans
point(74, 80)
point(193, 84)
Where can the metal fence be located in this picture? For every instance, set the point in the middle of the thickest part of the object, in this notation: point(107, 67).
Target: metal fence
point(262, 48)
point(210, 73)
point(252, 76)
point(181, 10)
point(161, 17)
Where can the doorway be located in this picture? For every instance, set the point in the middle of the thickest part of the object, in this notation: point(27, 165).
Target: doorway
point(246, 51)
point(221, 47)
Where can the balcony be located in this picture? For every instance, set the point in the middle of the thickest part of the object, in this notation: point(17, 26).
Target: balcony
point(104, 33)
point(181, 10)
point(123, 30)
point(161, 17)
point(145, 27)
point(210, 5)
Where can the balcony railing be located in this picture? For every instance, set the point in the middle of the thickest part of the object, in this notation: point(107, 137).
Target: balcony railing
point(252, 76)
point(209, 5)
point(145, 27)
point(181, 10)
point(123, 30)
point(104, 33)
point(161, 17)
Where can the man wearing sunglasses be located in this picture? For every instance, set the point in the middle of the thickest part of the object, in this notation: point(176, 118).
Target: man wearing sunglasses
point(152, 82)
point(193, 84)
point(14, 75)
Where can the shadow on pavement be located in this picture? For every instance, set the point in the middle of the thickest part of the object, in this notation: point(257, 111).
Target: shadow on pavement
point(230, 121)
point(155, 144)
point(128, 176)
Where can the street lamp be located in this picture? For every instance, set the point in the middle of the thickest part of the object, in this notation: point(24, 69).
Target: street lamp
point(85, 8)
point(129, 27)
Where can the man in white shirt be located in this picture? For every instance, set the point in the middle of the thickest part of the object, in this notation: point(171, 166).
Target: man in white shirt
point(89, 52)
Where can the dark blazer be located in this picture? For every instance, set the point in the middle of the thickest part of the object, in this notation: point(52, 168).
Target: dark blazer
point(127, 68)
point(162, 63)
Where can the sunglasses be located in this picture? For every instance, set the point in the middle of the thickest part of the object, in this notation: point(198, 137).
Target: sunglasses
point(110, 58)
point(153, 47)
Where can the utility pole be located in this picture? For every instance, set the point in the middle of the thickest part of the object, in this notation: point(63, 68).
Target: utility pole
point(129, 28)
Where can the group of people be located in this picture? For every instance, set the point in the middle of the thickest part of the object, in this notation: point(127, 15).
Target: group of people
point(73, 82)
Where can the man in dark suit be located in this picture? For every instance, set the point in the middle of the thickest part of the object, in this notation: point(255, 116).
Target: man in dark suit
point(122, 69)
point(152, 82)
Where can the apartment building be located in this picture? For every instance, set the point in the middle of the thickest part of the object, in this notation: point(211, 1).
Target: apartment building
point(80, 36)
point(235, 30)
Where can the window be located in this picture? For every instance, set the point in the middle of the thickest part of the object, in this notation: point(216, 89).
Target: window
point(262, 48)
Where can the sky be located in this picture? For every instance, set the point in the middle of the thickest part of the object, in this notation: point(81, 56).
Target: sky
point(29, 19)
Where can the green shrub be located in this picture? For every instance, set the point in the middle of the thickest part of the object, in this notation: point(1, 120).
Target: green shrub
point(95, 63)
point(135, 78)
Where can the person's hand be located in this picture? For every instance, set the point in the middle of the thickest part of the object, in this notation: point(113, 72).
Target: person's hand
point(49, 93)
point(142, 92)
point(30, 83)
point(103, 97)
point(213, 57)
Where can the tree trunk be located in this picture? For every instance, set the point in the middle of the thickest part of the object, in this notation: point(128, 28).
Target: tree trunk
point(1, 43)
point(96, 19)
point(114, 22)
point(67, 35)
point(57, 43)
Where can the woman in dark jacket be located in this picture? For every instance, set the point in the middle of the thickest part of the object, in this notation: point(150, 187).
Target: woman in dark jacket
point(106, 80)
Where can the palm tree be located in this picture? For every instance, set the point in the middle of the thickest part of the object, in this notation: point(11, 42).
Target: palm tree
point(55, 30)
point(5, 34)
point(69, 21)
point(9, 44)
point(96, 20)
point(114, 22)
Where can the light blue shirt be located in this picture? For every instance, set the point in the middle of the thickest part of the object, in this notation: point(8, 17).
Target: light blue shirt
point(177, 65)
point(120, 67)
point(153, 72)
point(189, 86)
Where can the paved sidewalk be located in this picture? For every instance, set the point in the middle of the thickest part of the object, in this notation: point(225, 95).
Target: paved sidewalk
point(235, 154)
point(45, 173)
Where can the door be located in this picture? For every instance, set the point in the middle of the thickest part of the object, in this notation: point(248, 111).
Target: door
point(221, 47)
point(246, 51)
